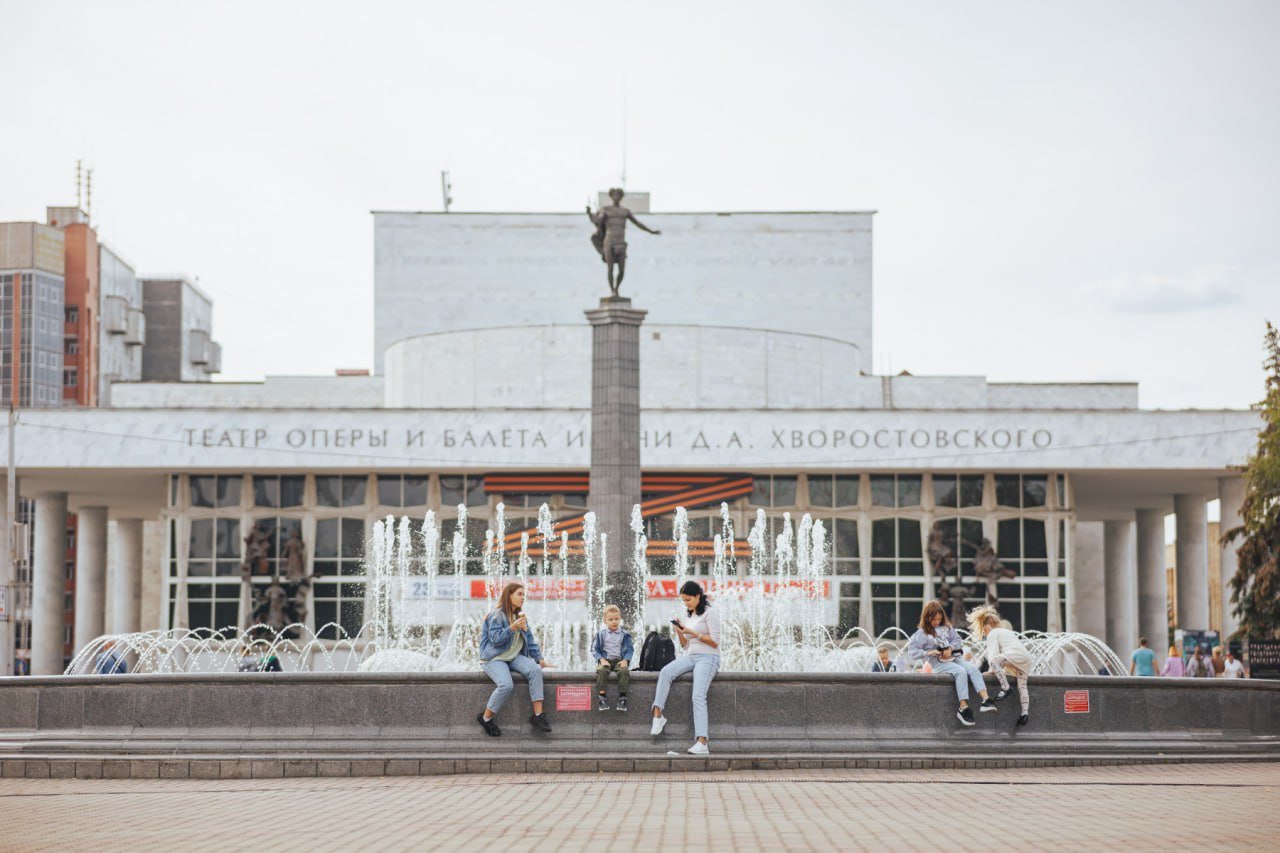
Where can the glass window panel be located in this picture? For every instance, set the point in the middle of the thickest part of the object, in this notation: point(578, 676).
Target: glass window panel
point(909, 614)
point(266, 491)
point(848, 616)
point(913, 591)
point(883, 567)
point(760, 492)
point(945, 490)
point(325, 568)
point(326, 612)
point(884, 613)
point(202, 490)
point(200, 568)
point(1035, 590)
point(201, 542)
point(292, 490)
point(227, 568)
point(1033, 539)
point(1035, 490)
point(1008, 490)
point(911, 567)
point(353, 490)
point(882, 490)
point(846, 567)
point(909, 537)
point(415, 489)
point(451, 491)
point(846, 491)
point(226, 614)
point(199, 591)
point(327, 537)
point(846, 537)
point(572, 500)
point(971, 489)
point(1061, 480)
point(784, 491)
point(173, 489)
point(1009, 593)
point(352, 537)
point(1009, 538)
point(199, 614)
point(229, 491)
point(352, 616)
point(228, 537)
point(909, 491)
point(1037, 616)
point(389, 490)
point(820, 494)
point(1035, 568)
point(882, 538)
point(328, 491)
point(475, 492)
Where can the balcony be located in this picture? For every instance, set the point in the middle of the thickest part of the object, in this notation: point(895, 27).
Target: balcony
point(136, 332)
point(198, 346)
point(115, 315)
point(214, 364)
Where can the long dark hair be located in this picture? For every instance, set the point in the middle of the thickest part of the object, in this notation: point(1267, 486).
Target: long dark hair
point(504, 600)
point(932, 609)
point(694, 588)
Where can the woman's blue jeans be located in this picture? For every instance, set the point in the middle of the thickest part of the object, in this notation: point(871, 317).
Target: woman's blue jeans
point(963, 672)
point(500, 671)
point(704, 668)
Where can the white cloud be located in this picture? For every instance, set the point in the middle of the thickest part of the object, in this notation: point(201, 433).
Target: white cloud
point(1200, 289)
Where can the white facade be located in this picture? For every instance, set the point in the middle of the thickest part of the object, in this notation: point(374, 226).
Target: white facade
point(122, 332)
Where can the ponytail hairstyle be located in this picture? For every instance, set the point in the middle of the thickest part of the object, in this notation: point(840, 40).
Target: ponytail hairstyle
point(694, 588)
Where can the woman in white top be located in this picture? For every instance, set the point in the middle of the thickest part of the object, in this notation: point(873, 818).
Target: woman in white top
point(1005, 654)
point(699, 635)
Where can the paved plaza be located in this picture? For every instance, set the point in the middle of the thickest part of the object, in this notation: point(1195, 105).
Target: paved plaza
point(1151, 807)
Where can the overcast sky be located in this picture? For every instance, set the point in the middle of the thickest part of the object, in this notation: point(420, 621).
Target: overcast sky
point(1066, 191)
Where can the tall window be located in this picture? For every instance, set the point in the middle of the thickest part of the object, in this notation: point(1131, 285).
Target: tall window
point(897, 569)
point(277, 491)
point(833, 491)
point(340, 491)
point(848, 618)
point(895, 490)
point(958, 490)
point(402, 490)
point(1022, 491)
point(1024, 600)
point(464, 490)
point(340, 579)
point(773, 492)
point(213, 549)
point(213, 606)
point(211, 491)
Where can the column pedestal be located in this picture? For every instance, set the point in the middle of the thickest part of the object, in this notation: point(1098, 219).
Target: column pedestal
point(615, 440)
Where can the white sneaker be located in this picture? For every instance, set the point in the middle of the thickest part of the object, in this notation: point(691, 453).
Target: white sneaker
point(699, 748)
point(659, 723)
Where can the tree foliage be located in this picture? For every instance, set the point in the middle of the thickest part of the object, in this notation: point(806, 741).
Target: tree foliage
point(1255, 587)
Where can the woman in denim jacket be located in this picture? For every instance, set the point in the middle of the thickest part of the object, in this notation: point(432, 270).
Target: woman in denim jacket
point(937, 642)
point(507, 645)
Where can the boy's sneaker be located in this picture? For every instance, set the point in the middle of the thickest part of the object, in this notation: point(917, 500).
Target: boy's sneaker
point(1003, 694)
point(987, 705)
point(603, 704)
point(659, 723)
point(699, 748)
point(489, 726)
point(1023, 720)
point(622, 703)
point(965, 716)
point(539, 722)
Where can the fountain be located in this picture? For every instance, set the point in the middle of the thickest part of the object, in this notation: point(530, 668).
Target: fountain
point(772, 609)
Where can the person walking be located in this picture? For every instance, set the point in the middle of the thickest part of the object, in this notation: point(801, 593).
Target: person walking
point(1199, 666)
point(1173, 666)
point(1143, 661)
point(937, 643)
point(699, 635)
point(506, 646)
point(1231, 667)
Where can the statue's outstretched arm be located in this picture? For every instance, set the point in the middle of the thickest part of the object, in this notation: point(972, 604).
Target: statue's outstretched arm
point(641, 225)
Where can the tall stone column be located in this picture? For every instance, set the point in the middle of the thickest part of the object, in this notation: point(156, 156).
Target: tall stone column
point(1191, 556)
point(615, 438)
point(48, 583)
point(128, 579)
point(1231, 498)
point(1121, 586)
point(1086, 602)
point(91, 574)
point(1153, 586)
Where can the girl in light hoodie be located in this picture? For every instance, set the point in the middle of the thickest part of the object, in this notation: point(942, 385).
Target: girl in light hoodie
point(1006, 655)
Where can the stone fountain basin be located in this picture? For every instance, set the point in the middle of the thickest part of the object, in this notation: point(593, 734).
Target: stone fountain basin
point(420, 716)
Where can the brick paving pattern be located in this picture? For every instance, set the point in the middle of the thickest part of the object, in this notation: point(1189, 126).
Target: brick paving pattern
point(1143, 807)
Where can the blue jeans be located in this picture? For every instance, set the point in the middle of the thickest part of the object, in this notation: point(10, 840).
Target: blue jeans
point(963, 672)
point(500, 671)
point(704, 668)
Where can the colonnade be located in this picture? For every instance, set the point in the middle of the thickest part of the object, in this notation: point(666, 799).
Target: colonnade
point(1120, 589)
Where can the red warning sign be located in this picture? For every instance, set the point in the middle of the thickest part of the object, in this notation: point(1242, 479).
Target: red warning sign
point(573, 697)
point(1075, 701)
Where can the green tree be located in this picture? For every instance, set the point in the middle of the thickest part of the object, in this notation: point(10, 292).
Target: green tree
point(1255, 587)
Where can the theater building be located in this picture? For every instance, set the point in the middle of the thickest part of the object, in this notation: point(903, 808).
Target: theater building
point(756, 391)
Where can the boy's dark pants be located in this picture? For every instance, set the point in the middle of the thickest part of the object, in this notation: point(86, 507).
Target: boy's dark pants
point(614, 665)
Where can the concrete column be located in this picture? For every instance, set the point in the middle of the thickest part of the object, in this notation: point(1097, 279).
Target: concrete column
point(128, 579)
point(1191, 558)
point(1086, 601)
point(48, 583)
point(1231, 496)
point(615, 439)
point(1121, 586)
point(1153, 586)
point(91, 579)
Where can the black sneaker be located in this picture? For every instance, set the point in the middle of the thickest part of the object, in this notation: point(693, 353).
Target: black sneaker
point(539, 722)
point(1003, 694)
point(1023, 720)
point(622, 703)
point(489, 726)
point(965, 716)
point(987, 705)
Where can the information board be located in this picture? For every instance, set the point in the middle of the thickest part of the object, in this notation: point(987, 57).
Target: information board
point(573, 697)
point(1075, 701)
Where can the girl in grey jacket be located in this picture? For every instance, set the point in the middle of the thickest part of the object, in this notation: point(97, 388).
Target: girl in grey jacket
point(938, 643)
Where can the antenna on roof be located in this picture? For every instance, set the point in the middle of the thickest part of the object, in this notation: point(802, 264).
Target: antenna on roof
point(446, 188)
point(79, 182)
point(88, 195)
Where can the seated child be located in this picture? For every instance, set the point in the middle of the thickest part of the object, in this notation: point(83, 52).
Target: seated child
point(613, 649)
point(1005, 654)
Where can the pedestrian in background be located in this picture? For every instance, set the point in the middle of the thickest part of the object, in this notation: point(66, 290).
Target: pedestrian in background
point(1143, 660)
point(1173, 666)
point(1231, 667)
point(1199, 666)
